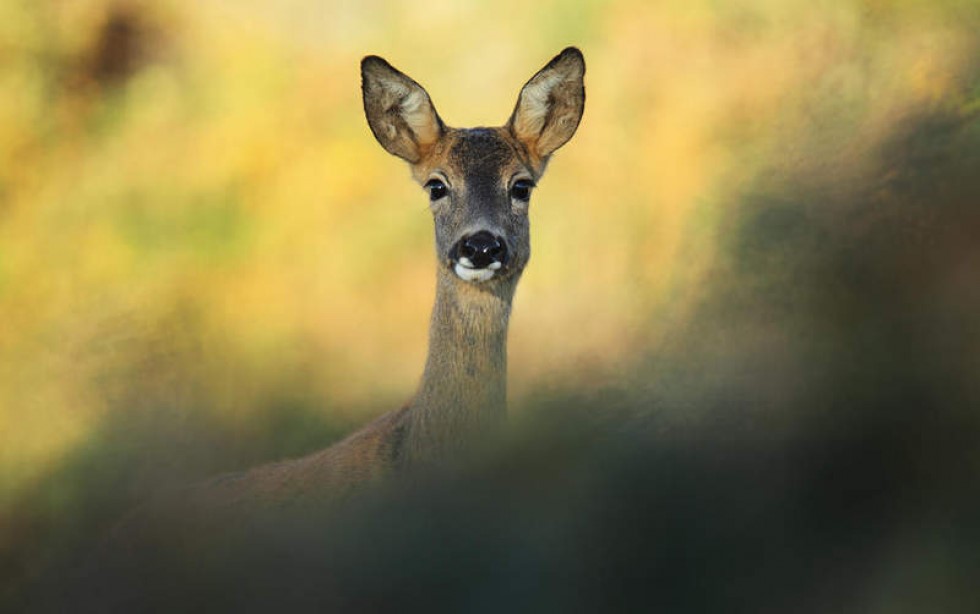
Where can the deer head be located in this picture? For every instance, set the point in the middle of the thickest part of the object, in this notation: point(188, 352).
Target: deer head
point(479, 180)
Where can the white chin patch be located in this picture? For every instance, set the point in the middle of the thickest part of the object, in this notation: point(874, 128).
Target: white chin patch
point(476, 275)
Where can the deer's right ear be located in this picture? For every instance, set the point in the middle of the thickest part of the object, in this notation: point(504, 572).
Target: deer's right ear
point(550, 105)
point(399, 111)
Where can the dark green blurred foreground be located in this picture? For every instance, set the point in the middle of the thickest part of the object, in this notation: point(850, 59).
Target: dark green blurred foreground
point(806, 442)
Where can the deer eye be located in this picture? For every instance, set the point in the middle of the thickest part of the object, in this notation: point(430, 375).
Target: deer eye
point(437, 189)
point(521, 190)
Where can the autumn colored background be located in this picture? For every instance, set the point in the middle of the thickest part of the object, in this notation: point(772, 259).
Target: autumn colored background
point(207, 262)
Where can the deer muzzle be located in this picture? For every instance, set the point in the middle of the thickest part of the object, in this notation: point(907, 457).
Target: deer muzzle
point(479, 256)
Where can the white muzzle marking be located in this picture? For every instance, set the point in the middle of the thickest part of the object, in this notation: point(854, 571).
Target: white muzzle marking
point(475, 275)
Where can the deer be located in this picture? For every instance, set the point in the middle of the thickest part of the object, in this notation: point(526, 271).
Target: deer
point(478, 182)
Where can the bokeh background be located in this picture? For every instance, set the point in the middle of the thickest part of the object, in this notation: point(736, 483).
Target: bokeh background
point(766, 231)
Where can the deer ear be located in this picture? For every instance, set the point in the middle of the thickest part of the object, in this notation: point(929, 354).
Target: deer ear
point(550, 105)
point(399, 110)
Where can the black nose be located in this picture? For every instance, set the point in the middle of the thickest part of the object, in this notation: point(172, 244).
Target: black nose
point(482, 249)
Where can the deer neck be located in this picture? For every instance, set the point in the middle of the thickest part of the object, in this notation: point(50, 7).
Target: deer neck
point(464, 386)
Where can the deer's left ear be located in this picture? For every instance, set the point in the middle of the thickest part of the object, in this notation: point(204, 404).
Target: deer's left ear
point(550, 105)
point(399, 111)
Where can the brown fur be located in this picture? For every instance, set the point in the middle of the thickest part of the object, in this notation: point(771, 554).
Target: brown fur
point(463, 389)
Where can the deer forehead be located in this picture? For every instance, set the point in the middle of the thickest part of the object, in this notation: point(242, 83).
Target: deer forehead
point(475, 159)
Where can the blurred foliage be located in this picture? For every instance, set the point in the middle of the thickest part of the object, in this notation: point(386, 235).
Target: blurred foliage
point(206, 261)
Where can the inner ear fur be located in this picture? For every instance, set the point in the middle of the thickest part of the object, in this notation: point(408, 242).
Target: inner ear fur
point(399, 111)
point(550, 104)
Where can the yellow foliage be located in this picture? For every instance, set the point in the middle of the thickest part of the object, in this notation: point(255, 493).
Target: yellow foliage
point(207, 220)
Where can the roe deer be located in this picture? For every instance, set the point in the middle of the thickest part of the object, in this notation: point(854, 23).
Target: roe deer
point(479, 182)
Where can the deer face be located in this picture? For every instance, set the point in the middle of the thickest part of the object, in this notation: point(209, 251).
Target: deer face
point(478, 180)
point(479, 188)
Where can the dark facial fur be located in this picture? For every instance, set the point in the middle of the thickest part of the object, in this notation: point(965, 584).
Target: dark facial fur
point(479, 166)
